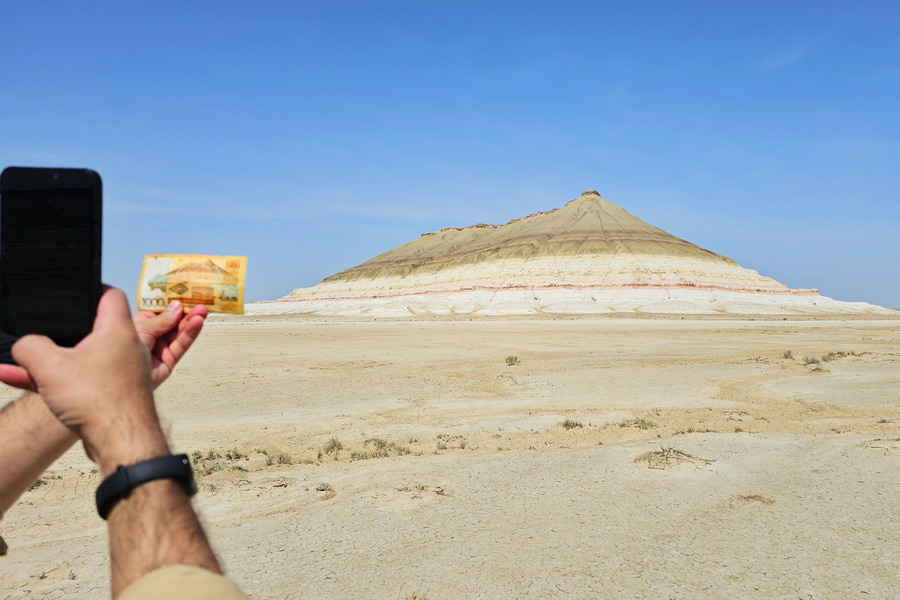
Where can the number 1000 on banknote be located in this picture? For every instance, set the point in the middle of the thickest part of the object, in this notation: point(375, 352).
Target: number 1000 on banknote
point(215, 281)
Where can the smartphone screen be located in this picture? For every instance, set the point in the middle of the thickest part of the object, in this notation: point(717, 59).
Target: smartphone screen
point(49, 253)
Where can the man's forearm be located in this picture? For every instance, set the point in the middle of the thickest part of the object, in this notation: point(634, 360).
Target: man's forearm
point(32, 441)
point(155, 525)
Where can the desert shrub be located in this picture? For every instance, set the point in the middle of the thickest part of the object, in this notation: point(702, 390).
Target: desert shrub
point(668, 457)
point(512, 361)
point(209, 467)
point(693, 429)
point(570, 424)
point(212, 461)
point(381, 448)
point(278, 458)
point(235, 454)
point(788, 354)
point(640, 423)
point(811, 360)
point(333, 446)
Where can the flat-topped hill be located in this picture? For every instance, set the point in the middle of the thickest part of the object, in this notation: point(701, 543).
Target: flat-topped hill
point(588, 256)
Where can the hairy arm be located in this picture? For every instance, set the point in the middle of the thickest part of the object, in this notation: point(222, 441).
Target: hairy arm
point(34, 438)
point(155, 526)
point(103, 391)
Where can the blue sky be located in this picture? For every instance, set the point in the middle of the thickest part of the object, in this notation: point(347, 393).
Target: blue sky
point(311, 136)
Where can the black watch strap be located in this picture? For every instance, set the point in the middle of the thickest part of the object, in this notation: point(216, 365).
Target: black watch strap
point(124, 479)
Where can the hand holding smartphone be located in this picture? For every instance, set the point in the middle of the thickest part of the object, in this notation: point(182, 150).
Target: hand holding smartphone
point(50, 240)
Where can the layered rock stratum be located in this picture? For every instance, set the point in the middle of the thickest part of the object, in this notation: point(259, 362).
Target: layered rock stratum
point(589, 256)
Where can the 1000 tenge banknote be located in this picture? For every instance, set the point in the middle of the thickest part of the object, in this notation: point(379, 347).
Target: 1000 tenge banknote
point(216, 281)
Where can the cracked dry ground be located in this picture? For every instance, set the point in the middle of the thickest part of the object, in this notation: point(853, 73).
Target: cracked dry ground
point(407, 460)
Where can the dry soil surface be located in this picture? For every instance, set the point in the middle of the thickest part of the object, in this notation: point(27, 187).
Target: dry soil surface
point(618, 459)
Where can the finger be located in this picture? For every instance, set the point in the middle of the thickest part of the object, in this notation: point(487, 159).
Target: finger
point(141, 316)
point(177, 344)
point(112, 310)
point(199, 311)
point(36, 353)
point(158, 325)
point(17, 377)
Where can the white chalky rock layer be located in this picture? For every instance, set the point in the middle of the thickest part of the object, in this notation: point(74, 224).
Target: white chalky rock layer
point(590, 256)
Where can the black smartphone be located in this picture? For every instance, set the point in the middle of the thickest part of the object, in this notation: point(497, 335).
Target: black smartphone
point(50, 236)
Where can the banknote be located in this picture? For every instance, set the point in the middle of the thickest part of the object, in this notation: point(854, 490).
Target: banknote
point(216, 281)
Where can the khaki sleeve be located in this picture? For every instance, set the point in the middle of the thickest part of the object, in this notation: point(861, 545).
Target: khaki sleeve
point(181, 582)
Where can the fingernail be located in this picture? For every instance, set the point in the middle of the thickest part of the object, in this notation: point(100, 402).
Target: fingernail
point(174, 306)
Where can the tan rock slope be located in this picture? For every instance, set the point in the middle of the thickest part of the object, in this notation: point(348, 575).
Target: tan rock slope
point(589, 256)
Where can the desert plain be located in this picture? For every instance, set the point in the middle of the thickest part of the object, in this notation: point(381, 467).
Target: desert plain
point(615, 458)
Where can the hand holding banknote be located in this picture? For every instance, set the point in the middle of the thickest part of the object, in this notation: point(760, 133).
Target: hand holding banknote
point(216, 282)
point(167, 335)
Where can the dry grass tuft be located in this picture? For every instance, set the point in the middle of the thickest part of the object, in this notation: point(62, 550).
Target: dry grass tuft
point(235, 454)
point(213, 462)
point(669, 458)
point(329, 492)
point(693, 429)
point(641, 423)
point(333, 446)
point(570, 424)
point(812, 360)
point(381, 448)
point(512, 361)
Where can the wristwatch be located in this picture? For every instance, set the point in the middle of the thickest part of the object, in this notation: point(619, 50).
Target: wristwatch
point(124, 479)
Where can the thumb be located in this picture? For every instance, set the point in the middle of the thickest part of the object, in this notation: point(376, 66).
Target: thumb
point(160, 324)
point(112, 310)
point(36, 354)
